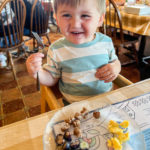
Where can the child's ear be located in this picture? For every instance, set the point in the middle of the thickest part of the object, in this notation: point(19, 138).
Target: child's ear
point(101, 20)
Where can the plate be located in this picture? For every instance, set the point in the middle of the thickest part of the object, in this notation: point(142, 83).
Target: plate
point(94, 131)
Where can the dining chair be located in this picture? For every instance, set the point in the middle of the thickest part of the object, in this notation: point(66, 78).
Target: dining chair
point(38, 15)
point(12, 19)
point(53, 97)
point(112, 27)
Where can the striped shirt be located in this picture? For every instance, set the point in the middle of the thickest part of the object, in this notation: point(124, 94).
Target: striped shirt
point(76, 66)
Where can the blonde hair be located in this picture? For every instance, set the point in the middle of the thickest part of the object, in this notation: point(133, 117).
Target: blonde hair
point(101, 4)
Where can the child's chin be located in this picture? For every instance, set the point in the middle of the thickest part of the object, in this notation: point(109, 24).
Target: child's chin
point(78, 42)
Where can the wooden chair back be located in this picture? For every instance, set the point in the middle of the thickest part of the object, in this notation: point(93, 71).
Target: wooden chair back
point(12, 19)
point(39, 20)
point(40, 15)
point(112, 23)
point(112, 27)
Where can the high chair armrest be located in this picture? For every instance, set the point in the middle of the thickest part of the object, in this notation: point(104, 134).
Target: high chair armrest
point(48, 96)
point(121, 81)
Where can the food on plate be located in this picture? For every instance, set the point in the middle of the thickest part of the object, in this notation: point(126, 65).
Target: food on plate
point(71, 134)
point(66, 146)
point(67, 136)
point(76, 123)
point(114, 143)
point(124, 124)
point(69, 120)
point(65, 127)
point(84, 110)
point(77, 132)
point(84, 113)
point(120, 134)
point(64, 141)
point(123, 137)
point(96, 114)
point(78, 116)
point(59, 139)
point(75, 145)
point(84, 146)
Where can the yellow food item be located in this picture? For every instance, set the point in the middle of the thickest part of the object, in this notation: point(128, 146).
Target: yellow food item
point(124, 124)
point(118, 135)
point(109, 143)
point(114, 143)
point(123, 137)
point(115, 130)
point(113, 123)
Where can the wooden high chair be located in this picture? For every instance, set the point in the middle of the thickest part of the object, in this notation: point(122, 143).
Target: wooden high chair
point(53, 97)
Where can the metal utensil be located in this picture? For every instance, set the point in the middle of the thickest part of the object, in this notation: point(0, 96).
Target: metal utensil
point(38, 82)
point(41, 47)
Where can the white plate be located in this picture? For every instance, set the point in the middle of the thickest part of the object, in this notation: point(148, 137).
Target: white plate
point(95, 133)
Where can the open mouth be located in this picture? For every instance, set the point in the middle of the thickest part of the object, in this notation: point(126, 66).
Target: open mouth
point(77, 33)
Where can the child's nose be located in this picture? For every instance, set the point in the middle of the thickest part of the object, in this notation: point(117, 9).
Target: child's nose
point(76, 22)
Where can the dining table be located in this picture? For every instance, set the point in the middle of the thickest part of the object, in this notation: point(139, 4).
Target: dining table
point(135, 24)
point(28, 134)
point(138, 24)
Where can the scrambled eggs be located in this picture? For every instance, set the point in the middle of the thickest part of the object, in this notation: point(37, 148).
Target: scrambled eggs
point(119, 136)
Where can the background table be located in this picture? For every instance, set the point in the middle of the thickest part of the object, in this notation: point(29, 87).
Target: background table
point(139, 25)
point(27, 134)
point(135, 23)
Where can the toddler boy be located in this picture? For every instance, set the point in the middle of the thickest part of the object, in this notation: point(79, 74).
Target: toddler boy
point(84, 61)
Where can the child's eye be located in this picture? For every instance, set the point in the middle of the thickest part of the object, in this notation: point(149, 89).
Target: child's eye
point(66, 15)
point(85, 16)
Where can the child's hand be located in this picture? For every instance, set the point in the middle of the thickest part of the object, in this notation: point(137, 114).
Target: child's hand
point(34, 63)
point(108, 72)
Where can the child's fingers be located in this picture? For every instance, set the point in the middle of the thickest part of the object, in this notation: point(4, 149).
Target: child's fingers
point(37, 55)
point(106, 77)
point(34, 57)
point(34, 63)
point(35, 68)
point(103, 69)
point(110, 79)
point(102, 75)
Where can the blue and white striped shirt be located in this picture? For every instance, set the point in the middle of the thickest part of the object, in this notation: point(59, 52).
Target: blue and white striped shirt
point(76, 66)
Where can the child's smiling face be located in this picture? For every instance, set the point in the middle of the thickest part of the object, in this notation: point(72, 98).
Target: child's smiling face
point(78, 24)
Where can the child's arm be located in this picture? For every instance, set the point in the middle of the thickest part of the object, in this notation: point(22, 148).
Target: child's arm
point(34, 65)
point(109, 72)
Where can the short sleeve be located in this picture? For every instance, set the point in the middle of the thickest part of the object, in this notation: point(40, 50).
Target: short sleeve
point(112, 53)
point(52, 65)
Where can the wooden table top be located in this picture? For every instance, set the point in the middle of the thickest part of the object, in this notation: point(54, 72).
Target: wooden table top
point(134, 23)
point(27, 134)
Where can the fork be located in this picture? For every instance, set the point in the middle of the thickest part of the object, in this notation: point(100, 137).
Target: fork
point(41, 47)
point(38, 82)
